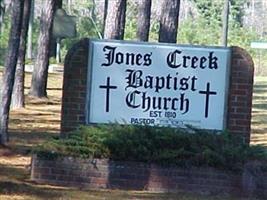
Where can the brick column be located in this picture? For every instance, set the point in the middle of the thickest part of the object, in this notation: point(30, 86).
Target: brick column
point(74, 87)
point(240, 93)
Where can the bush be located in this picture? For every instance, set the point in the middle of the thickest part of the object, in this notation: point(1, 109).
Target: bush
point(165, 146)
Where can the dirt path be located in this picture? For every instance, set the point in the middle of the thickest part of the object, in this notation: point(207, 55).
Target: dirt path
point(38, 121)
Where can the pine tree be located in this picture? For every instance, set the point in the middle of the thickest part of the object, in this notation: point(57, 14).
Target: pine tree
point(40, 72)
point(10, 67)
point(115, 19)
point(143, 18)
point(18, 89)
point(169, 21)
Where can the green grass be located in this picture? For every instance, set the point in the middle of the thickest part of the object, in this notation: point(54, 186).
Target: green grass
point(259, 112)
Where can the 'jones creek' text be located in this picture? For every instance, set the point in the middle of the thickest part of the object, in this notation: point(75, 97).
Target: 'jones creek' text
point(174, 59)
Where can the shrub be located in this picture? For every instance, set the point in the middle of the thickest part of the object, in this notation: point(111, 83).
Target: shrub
point(161, 145)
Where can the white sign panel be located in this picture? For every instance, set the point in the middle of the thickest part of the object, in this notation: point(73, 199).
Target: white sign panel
point(157, 84)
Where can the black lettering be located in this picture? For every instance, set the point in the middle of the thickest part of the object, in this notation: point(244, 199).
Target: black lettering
point(172, 60)
point(129, 58)
point(184, 104)
point(168, 81)
point(130, 99)
point(166, 102)
point(213, 61)
point(119, 58)
point(134, 78)
point(160, 82)
point(193, 86)
point(146, 102)
point(147, 59)
point(113, 56)
point(174, 103)
point(176, 59)
point(156, 104)
point(148, 82)
point(202, 62)
point(109, 55)
point(138, 59)
point(185, 58)
point(194, 62)
point(175, 82)
point(184, 83)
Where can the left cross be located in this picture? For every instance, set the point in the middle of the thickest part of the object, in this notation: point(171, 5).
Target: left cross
point(108, 88)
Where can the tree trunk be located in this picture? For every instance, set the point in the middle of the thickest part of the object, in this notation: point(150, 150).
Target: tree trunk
point(40, 72)
point(10, 67)
point(169, 21)
point(2, 15)
point(18, 89)
point(69, 5)
point(123, 19)
point(115, 21)
point(53, 44)
point(30, 32)
point(143, 19)
point(93, 11)
point(105, 16)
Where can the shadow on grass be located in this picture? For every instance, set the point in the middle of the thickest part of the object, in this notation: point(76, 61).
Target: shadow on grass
point(35, 120)
point(23, 142)
point(13, 181)
point(260, 86)
point(13, 172)
point(48, 88)
point(16, 188)
point(262, 106)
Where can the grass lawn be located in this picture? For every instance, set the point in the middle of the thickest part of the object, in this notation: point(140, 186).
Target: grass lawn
point(40, 119)
point(259, 112)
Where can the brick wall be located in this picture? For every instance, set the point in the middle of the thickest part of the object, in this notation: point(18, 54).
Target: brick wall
point(105, 174)
point(74, 87)
point(74, 90)
point(240, 93)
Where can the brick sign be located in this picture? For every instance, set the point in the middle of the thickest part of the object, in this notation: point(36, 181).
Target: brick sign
point(157, 84)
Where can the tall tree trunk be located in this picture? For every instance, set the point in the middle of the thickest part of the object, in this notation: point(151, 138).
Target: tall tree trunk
point(123, 19)
point(115, 21)
point(53, 44)
point(69, 5)
point(169, 21)
point(40, 72)
point(2, 15)
point(18, 89)
point(10, 67)
point(105, 16)
point(30, 31)
point(143, 18)
point(93, 11)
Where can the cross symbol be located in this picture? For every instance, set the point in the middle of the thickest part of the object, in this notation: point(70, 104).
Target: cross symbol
point(108, 87)
point(207, 92)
